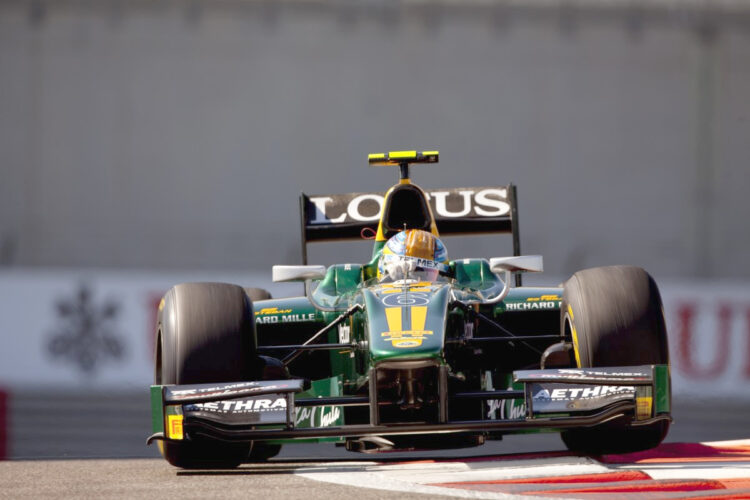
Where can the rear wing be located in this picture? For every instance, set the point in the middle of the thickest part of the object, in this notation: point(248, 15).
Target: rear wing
point(472, 210)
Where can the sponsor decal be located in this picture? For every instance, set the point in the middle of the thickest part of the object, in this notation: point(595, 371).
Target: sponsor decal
point(264, 320)
point(264, 316)
point(551, 301)
point(239, 406)
point(509, 409)
point(445, 204)
point(298, 318)
point(322, 213)
point(586, 375)
point(272, 310)
point(406, 299)
point(228, 390)
point(290, 318)
point(552, 398)
point(528, 306)
point(576, 393)
point(513, 410)
point(543, 394)
point(86, 335)
point(492, 406)
point(643, 407)
point(174, 427)
point(543, 298)
point(405, 339)
point(201, 390)
point(318, 416)
point(345, 334)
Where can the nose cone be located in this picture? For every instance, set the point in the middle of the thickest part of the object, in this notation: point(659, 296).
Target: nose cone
point(406, 321)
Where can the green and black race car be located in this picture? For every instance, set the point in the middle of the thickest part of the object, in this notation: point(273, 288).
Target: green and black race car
point(377, 361)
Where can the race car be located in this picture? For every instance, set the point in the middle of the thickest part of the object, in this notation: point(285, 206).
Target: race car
point(410, 349)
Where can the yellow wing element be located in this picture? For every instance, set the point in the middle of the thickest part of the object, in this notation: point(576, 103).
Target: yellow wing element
point(575, 337)
point(402, 159)
point(399, 157)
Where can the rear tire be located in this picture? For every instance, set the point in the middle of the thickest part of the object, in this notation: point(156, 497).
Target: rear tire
point(206, 333)
point(614, 315)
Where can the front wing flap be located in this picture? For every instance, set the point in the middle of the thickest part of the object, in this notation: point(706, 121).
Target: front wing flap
point(554, 399)
point(582, 390)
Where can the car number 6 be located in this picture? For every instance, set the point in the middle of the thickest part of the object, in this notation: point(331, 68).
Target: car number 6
point(407, 299)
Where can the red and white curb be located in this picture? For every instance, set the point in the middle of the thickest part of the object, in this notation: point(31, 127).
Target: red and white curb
point(718, 470)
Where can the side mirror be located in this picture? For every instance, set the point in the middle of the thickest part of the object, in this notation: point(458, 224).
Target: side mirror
point(520, 263)
point(297, 273)
point(509, 265)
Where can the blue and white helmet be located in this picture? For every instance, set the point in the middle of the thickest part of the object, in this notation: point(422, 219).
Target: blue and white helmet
point(416, 252)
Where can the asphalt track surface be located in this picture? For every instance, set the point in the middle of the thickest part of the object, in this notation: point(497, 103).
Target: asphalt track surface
point(56, 477)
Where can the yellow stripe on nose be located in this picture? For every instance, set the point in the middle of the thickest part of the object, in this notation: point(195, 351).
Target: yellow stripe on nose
point(418, 317)
point(393, 315)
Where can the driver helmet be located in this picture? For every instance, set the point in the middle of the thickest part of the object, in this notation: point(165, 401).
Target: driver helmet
point(413, 252)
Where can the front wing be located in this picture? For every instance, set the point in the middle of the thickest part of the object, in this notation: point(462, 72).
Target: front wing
point(268, 410)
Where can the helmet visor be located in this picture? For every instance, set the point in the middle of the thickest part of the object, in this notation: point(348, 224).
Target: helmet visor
point(400, 267)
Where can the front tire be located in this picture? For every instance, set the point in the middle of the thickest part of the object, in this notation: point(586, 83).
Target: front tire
point(614, 315)
point(205, 334)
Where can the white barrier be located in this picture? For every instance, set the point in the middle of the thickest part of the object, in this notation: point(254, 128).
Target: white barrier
point(94, 329)
point(709, 338)
point(89, 329)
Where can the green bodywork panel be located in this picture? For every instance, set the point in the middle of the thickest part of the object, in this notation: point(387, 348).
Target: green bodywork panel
point(157, 409)
point(339, 285)
point(345, 285)
point(406, 322)
point(662, 402)
point(476, 275)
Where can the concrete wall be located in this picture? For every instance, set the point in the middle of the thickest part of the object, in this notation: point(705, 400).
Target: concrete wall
point(179, 134)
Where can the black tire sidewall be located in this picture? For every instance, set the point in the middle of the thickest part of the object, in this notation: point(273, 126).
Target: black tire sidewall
point(256, 294)
point(615, 317)
point(205, 334)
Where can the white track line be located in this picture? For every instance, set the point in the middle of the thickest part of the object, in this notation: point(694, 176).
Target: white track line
point(419, 477)
point(369, 476)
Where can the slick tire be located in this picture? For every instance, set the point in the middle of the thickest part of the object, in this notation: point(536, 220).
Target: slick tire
point(614, 314)
point(205, 334)
point(261, 452)
point(256, 294)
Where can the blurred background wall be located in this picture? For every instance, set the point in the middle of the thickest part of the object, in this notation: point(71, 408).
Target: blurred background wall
point(145, 142)
point(179, 133)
